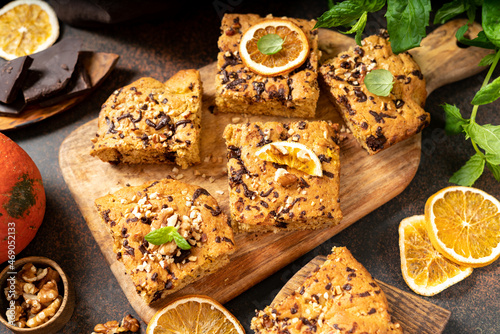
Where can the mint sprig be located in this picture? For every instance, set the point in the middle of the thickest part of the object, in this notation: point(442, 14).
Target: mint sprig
point(379, 82)
point(270, 44)
point(484, 138)
point(166, 234)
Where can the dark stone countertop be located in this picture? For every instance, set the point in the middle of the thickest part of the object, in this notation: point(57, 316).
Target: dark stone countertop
point(186, 38)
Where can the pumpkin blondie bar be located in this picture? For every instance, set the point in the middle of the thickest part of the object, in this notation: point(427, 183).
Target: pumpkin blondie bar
point(377, 122)
point(152, 122)
point(156, 271)
point(266, 196)
point(239, 90)
point(340, 297)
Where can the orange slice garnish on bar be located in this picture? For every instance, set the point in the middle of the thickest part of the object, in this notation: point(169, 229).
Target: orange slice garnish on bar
point(293, 52)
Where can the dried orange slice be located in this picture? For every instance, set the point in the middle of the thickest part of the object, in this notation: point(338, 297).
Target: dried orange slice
point(194, 314)
point(26, 27)
point(425, 270)
point(292, 154)
point(464, 225)
point(293, 53)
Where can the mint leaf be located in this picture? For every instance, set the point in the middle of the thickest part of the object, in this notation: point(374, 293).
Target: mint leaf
point(270, 44)
point(358, 28)
point(450, 10)
point(486, 136)
point(160, 236)
point(491, 20)
point(340, 14)
point(166, 234)
point(470, 172)
point(379, 82)
point(180, 241)
point(406, 22)
point(493, 158)
point(343, 13)
point(454, 120)
point(488, 93)
point(495, 169)
point(480, 41)
point(487, 60)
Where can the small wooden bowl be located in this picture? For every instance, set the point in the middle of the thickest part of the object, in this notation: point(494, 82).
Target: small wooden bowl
point(65, 310)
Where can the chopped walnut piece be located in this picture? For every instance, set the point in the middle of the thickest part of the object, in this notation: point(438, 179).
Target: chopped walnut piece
point(52, 275)
point(44, 315)
point(48, 293)
point(110, 327)
point(128, 324)
point(284, 178)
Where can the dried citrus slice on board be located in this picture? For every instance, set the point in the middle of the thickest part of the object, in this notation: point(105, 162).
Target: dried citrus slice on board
point(425, 270)
point(293, 52)
point(26, 27)
point(464, 225)
point(194, 314)
point(292, 154)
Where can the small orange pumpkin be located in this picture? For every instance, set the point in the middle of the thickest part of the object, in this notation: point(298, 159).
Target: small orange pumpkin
point(22, 199)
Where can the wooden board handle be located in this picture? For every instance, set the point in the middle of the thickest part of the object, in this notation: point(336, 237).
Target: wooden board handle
point(440, 59)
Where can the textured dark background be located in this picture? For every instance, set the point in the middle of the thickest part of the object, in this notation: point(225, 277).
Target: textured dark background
point(185, 36)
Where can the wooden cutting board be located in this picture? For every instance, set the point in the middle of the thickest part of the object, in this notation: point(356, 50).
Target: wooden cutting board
point(414, 314)
point(367, 182)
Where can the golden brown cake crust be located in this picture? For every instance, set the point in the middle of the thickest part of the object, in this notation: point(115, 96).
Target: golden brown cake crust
point(377, 122)
point(132, 212)
point(152, 122)
point(340, 297)
point(259, 202)
point(239, 90)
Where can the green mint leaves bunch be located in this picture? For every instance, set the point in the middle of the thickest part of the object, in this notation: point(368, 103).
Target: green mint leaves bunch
point(406, 22)
point(166, 234)
point(406, 19)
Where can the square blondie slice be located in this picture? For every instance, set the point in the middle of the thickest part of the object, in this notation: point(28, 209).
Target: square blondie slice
point(340, 297)
point(152, 122)
point(377, 122)
point(239, 90)
point(156, 271)
point(266, 196)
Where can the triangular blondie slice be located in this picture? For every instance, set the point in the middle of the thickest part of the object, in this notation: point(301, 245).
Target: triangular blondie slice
point(340, 297)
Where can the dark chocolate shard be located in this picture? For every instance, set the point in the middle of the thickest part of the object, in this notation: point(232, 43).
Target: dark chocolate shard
point(79, 84)
point(12, 75)
point(13, 108)
point(51, 70)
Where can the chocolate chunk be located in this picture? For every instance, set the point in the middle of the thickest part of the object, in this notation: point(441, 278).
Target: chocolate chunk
point(78, 85)
point(12, 75)
point(51, 70)
point(13, 108)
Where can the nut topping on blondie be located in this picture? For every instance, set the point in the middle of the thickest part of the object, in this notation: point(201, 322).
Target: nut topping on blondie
point(151, 122)
point(377, 122)
point(133, 212)
point(268, 196)
point(240, 90)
